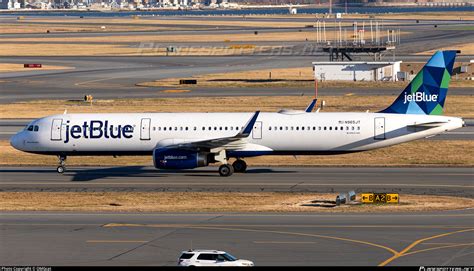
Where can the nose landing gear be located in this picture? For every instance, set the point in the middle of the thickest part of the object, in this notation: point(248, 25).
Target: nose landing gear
point(226, 170)
point(62, 163)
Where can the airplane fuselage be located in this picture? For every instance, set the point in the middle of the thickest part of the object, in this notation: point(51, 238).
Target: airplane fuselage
point(273, 133)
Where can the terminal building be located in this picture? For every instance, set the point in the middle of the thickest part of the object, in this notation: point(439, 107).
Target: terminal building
point(356, 71)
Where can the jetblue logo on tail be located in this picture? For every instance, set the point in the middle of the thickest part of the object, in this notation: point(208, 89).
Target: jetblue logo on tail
point(426, 93)
point(420, 97)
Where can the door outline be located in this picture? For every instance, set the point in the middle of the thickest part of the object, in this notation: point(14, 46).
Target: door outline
point(145, 129)
point(379, 128)
point(257, 130)
point(56, 125)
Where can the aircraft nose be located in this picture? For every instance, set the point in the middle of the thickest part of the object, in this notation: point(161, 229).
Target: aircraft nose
point(15, 141)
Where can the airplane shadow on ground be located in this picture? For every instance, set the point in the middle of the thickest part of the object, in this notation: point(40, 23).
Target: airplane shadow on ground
point(92, 174)
point(144, 172)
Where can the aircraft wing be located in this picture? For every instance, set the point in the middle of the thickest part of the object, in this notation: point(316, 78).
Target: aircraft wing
point(232, 142)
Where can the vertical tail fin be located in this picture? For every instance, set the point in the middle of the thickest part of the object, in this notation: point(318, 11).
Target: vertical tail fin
point(426, 94)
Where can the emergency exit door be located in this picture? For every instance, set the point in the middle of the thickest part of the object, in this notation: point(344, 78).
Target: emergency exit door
point(56, 129)
point(257, 130)
point(379, 128)
point(145, 129)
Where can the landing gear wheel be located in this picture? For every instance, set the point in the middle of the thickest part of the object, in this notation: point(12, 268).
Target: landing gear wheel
point(226, 170)
point(239, 166)
point(62, 162)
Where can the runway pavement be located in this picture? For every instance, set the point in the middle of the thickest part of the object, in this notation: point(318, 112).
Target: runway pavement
point(116, 77)
point(436, 181)
point(438, 238)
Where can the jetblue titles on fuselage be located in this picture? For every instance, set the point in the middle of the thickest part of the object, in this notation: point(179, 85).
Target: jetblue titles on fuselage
point(96, 129)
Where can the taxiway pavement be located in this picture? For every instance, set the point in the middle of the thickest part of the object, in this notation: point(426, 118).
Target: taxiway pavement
point(271, 239)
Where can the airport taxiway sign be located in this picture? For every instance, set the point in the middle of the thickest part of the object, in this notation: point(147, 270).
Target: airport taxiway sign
point(380, 198)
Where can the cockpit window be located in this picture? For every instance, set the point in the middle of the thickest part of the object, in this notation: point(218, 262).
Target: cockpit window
point(30, 128)
point(36, 128)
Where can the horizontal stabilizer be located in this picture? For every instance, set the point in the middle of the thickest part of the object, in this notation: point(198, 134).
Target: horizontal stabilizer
point(428, 124)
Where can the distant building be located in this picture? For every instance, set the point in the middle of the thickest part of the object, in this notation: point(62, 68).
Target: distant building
point(356, 71)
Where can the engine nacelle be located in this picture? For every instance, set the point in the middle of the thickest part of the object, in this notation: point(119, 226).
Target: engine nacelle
point(179, 159)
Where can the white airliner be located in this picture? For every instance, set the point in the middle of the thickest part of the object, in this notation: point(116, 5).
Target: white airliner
point(190, 140)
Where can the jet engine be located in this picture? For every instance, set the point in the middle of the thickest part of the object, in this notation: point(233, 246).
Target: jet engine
point(165, 158)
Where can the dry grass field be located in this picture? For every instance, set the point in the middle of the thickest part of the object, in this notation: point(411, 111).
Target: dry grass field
point(212, 202)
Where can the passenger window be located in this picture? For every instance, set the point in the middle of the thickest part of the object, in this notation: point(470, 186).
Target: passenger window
point(302, 128)
point(281, 128)
point(36, 128)
point(358, 127)
point(286, 128)
point(292, 128)
point(269, 128)
point(330, 128)
point(164, 128)
point(314, 128)
point(325, 128)
point(154, 128)
point(352, 128)
point(297, 128)
point(225, 128)
point(342, 128)
point(210, 128)
point(220, 128)
point(335, 128)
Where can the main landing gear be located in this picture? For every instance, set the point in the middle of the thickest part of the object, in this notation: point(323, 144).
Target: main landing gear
point(239, 166)
point(62, 163)
point(227, 170)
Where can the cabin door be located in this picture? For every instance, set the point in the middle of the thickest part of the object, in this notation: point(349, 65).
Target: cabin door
point(56, 129)
point(145, 129)
point(379, 128)
point(257, 130)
